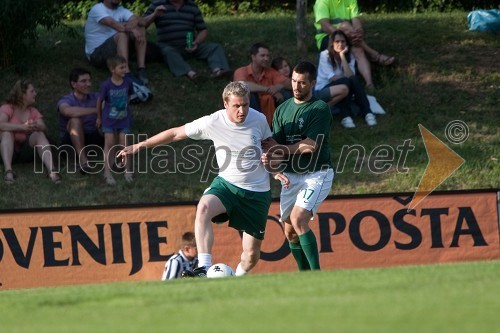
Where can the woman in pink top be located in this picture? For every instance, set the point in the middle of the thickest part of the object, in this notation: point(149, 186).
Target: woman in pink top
point(21, 123)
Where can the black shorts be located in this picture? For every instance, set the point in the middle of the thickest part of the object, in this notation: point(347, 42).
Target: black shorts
point(100, 55)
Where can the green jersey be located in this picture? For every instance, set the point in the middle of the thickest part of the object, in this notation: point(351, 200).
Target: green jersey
point(294, 122)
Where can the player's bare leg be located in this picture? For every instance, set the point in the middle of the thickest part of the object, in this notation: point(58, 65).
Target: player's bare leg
point(250, 255)
point(208, 207)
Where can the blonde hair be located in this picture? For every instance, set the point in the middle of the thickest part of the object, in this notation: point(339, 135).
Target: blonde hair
point(114, 61)
point(236, 88)
point(17, 92)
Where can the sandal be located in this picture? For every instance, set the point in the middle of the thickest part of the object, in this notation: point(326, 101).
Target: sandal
point(384, 60)
point(110, 180)
point(192, 76)
point(129, 177)
point(9, 177)
point(55, 177)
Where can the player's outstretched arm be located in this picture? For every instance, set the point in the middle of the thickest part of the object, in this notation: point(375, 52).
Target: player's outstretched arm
point(168, 136)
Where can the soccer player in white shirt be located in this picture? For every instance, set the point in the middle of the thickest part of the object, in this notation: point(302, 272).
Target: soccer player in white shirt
point(241, 192)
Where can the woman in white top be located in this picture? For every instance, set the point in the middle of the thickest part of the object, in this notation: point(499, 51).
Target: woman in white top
point(336, 64)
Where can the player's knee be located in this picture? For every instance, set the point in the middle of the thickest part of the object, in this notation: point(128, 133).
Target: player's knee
point(75, 123)
point(202, 208)
point(291, 236)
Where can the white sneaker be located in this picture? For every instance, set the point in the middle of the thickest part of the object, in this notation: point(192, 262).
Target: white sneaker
point(374, 105)
point(347, 122)
point(370, 119)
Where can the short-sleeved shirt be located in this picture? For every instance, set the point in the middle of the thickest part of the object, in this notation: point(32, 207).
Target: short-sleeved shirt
point(88, 120)
point(177, 264)
point(294, 122)
point(326, 71)
point(336, 11)
point(173, 25)
point(96, 33)
point(269, 77)
point(116, 111)
point(19, 136)
point(237, 147)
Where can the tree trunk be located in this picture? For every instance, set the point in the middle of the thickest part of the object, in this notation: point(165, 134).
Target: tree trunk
point(300, 26)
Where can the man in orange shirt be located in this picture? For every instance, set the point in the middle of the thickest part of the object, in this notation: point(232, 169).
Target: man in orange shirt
point(266, 84)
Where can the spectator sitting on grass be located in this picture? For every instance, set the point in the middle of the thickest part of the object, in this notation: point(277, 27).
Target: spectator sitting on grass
point(266, 84)
point(174, 19)
point(109, 30)
point(77, 116)
point(337, 66)
point(330, 15)
point(22, 126)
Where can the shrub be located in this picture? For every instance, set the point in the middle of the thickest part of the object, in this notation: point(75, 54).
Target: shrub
point(18, 23)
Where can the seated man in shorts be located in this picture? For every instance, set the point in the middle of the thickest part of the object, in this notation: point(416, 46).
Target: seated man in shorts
point(77, 117)
point(109, 30)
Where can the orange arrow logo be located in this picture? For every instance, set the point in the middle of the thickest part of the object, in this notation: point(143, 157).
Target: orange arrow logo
point(442, 163)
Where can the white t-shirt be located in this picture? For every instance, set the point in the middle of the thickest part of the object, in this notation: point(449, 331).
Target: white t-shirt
point(237, 147)
point(96, 33)
point(326, 70)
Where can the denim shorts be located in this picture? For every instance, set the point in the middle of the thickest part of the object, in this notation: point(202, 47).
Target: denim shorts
point(116, 130)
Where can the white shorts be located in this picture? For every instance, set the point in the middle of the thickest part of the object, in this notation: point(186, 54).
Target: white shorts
point(306, 190)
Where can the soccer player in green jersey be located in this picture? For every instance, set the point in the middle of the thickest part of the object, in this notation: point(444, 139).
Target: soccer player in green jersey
point(300, 145)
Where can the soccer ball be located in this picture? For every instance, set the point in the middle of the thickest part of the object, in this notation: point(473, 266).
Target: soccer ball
point(219, 270)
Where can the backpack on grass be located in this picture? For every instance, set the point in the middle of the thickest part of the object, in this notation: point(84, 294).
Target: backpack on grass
point(141, 93)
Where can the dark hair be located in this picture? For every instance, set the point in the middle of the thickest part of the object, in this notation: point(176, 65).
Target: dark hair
point(188, 239)
point(254, 49)
point(277, 62)
point(75, 74)
point(332, 52)
point(306, 67)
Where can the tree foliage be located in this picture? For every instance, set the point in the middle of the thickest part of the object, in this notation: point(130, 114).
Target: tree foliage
point(18, 23)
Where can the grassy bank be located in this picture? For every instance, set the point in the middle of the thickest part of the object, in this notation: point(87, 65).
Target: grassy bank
point(444, 73)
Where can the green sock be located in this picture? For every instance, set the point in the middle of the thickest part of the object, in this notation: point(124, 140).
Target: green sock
point(310, 248)
point(299, 256)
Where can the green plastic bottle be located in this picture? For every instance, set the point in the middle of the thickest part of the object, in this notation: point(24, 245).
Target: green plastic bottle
point(189, 39)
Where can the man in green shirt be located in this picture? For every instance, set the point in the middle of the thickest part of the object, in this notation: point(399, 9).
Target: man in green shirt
point(300, 146)
point(330, 15)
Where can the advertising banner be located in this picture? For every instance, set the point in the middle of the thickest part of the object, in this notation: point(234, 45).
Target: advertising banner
point(107, 244)
point(53, 248)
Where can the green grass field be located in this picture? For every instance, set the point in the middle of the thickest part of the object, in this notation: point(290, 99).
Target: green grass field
point(443, 73)
point(460, 297)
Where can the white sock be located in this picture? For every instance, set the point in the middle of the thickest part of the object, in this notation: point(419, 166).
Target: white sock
point(240, 271)
point(204, 259)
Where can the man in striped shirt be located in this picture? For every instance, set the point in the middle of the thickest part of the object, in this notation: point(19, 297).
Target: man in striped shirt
point(174, 19)
point(185, 259)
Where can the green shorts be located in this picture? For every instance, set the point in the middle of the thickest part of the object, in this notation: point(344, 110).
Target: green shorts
point(247, 210)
